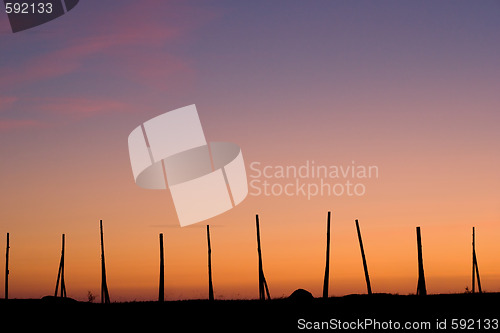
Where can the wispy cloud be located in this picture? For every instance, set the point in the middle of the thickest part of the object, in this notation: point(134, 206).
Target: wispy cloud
point(6, 102)
point(130, 36)
point(130, 42)
point(70, 58)
point(54, 110)
point(81, 107)
point(15, 124)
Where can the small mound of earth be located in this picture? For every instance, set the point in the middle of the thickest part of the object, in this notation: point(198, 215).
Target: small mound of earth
point(301, 295)
point(54, 299)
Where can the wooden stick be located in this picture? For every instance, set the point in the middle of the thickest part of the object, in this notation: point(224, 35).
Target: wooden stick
point(7, 268)
point(365, 266)
point(60, 273)
point(261, 282)
point(210, 285)
point(477, 273)
point(263, 288)
point(473, 261)
point(327, 265)
point(63, 284)
point(421, 289)
point(161, 291)
point(266, 287)
point(475, 268)
point(104, 286)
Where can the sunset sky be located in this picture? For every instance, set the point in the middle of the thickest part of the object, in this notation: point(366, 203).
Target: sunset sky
point(409, 87)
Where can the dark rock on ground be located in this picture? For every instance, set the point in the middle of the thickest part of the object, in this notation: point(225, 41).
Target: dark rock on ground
point(301, 295)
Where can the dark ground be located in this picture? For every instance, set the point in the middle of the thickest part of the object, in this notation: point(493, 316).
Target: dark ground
point(280, 315)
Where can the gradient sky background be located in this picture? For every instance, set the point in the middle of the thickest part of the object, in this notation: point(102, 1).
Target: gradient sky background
point(411, 87)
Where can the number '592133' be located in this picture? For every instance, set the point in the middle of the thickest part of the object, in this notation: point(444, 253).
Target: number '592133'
point(471, 324)
point(28, 8)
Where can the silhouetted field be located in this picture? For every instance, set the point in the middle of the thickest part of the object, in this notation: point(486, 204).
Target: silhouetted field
point(252, 315)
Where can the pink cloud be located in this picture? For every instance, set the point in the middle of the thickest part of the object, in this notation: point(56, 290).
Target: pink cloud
point(81, 107)
point(129, 42)
point(15, 124)
point(65, 109)
point(68, 59)
point(160, 71)
point(133, 34)
point(7, 101)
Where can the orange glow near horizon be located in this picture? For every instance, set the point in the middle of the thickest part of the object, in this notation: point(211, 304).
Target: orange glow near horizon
point(293, 244)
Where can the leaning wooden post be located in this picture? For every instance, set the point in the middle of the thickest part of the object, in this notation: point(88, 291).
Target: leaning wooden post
point(210, 285)
point(262, 279)
point(7, 268)
point(161, 291)
point(475, 269)
point(365, 266)
point(104, 286)
point(421, 289)
point(473, 262)
point(327, 265)
point(60, 273)
point(477, 273)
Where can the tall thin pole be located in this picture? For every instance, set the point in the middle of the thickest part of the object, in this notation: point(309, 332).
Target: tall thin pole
point(161, 291)
point(263, 289)
point(7, 268)
point(60, 273)
point(210, 285)
point(473, 261)
point(327, 265)
point(63, 284)
point(261, 277)
point(421, 289)
point(365, 266)
point(475, 268)
point(104, 286)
